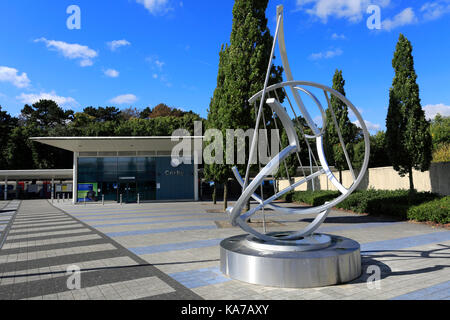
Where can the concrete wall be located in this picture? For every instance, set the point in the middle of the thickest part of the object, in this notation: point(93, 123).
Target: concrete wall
point(436, 180)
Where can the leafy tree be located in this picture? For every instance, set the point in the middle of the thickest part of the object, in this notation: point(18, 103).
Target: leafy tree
point(46, 114)
point(408, 138)
point(242, 72)
point(130, 113)
point(378, 154)
point(104, 114)
point(333, 148)
point(440, 131)
point(7, 124)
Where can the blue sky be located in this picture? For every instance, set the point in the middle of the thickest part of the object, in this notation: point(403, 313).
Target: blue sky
point(143, 52)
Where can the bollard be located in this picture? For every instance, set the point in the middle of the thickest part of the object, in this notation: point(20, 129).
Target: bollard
point(121, 203)
point(103, 199)
point(58, 198)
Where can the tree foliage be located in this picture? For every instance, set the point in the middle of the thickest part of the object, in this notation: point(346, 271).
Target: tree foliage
point(333, 148)
point(242, 70)
point(408, 138)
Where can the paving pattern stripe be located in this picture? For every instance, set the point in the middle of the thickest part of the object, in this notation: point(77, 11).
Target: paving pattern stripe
point(120, 210)
point(407, 242)
point(91, 282)
point(146, 217)
point(436, 292)
point(46, 218)
point(74, 225)
point(130, 290)
point(200, 277)
point(175, 246)
point(37, 238)
point(45, 226)
point(39, 222)
point(48, 232)
point(20, 276)
point(49, 241)
point(156, 222)
point(111, 215)
point(54, 253)
point(157, 231)
point(26, 264)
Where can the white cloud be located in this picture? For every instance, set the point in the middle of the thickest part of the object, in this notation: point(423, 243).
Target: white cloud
point(72, 51)
point(124, 99)
point(352, 10)
point(116, 44)
point(370, 126)
point(404, 18)
point(436, 9)
point(155, 7)
point(33, 98)
point(12, 75)
point(432, 110)
point(326, 55)
point(111, 73)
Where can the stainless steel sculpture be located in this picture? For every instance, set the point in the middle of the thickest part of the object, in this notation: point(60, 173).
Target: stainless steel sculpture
point(301, 258)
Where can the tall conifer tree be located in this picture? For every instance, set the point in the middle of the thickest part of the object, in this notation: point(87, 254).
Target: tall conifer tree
point(408, 138)
point(242, 72)
point(333, 149)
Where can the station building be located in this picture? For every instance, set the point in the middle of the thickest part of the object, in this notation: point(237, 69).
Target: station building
point(127, 169)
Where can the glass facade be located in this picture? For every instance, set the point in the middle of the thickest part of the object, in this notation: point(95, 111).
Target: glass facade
point(152, 178)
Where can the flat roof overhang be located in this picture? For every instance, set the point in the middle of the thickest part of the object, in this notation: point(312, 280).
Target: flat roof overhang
point(57, 174)
point(115, 144)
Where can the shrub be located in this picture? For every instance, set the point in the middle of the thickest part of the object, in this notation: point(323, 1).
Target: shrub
point(442, 154)
point(436, 211)
point(398, 203)
point(314, 198)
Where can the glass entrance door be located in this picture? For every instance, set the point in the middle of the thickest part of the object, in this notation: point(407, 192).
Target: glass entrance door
point(128, 192)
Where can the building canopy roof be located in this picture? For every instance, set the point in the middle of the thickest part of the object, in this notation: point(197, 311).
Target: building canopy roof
point(115, 144)
point(57, 174)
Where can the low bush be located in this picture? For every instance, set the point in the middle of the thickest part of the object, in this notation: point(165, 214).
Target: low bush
point(435, 211)
point(403, 204)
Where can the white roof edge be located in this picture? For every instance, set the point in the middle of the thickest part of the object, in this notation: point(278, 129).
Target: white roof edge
point(118, 138)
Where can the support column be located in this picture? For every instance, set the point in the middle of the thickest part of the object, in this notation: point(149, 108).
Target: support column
point(75, 177)
point(6, 189)
point(196, 181)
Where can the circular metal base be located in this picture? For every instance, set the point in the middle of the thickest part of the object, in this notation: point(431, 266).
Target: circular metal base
point(243, 259)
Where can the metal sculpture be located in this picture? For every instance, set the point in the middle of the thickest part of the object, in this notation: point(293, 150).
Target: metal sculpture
point(296, 258)
point(238, 218)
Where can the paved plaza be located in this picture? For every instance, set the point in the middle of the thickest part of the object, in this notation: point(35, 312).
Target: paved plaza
point(171, 251)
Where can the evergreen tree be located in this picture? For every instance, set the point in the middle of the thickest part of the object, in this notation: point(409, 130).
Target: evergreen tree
point(242, 73)
point(408, 137)
point(333, 148)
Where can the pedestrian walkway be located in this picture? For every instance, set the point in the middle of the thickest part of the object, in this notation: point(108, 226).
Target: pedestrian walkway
point(44, 243)
point(171, 251)
point(7, 213)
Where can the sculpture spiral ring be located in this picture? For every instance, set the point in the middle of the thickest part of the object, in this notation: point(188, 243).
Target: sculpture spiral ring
point(237, 216)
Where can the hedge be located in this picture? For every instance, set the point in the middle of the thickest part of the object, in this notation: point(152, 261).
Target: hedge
point(423, 206)
point(435, 211)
